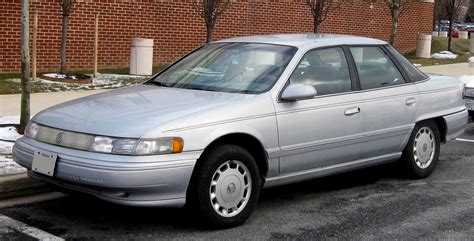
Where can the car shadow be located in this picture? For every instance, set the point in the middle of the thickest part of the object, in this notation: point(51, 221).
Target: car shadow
point(106, 217)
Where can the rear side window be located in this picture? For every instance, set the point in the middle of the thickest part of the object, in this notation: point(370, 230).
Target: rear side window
point(413, 73)
point(325, 69)
point(375, 68)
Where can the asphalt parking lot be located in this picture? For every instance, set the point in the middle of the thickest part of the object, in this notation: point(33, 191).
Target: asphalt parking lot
point(375, 203)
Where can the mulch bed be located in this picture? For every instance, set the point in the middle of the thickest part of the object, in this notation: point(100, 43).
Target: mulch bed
point(70, 78)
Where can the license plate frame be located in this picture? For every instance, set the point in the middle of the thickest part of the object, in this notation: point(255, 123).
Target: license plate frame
point(44, 162)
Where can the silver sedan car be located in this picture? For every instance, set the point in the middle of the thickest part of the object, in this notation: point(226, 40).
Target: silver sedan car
point(238, 115)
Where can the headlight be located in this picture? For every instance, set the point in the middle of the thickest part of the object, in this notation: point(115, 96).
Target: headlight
point(124, 146)
point(137, 147)
point(469, 92)
point(160, 146)
point(102, 144)
point(31, 130)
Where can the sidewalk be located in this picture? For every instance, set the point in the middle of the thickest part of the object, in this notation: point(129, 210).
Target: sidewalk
point(455, 70)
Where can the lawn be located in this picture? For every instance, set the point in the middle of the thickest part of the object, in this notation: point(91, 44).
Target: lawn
point(438, 44)
point(10, 82)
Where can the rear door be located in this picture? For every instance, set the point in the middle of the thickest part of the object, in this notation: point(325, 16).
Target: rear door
point(389, 101)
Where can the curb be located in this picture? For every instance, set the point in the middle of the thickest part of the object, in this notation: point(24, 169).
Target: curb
point(19, 189)
point(19, 185)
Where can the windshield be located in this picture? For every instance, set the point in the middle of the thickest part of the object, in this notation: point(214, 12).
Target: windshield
point(229, 67)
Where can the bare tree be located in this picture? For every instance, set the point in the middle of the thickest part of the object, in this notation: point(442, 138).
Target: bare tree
point(320, 10)
point(25, 66)
point(397, 9)
point(452, 9)
point(210, 10)
point(67, 7)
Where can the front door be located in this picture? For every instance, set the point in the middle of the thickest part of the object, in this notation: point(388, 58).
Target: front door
point(327, 129)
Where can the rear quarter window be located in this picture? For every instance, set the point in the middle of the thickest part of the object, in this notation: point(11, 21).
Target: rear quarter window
point(413, 73)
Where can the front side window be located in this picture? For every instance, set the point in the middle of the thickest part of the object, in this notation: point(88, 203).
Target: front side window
point(229, 67)
point(375, 68)
point(325, 69)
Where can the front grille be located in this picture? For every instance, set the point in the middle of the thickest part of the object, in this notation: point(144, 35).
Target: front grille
point(64, 138)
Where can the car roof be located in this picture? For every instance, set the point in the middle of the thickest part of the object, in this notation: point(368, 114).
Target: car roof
point(305, 40)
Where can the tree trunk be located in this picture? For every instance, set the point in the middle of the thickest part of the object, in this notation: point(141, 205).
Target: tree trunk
point(393, 30)
point(449, 34)
point(210, 31)
point(63, 68)
point(25, 66)
point(315, 24)
point(435, 11)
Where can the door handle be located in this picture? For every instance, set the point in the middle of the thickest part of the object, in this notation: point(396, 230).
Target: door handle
point(410, 101)
point(352, 111)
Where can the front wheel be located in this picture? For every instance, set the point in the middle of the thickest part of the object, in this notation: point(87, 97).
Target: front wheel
point(421, 153)
point(226, 186)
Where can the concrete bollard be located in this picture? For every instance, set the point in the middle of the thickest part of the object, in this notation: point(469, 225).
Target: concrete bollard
point(463, 34)
point(434, 34)
point(471, 44)
point(141, 56)
point(423, 46)
point(443, 34)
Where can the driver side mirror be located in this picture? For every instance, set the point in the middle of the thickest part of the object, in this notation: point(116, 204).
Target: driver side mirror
point(298, 92)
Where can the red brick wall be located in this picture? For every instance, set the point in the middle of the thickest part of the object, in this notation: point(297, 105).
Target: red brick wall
point(176, 28)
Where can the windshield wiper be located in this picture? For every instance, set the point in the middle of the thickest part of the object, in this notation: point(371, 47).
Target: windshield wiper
point(158, 83)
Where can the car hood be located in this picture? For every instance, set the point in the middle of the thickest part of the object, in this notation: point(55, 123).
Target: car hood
point(130, 112)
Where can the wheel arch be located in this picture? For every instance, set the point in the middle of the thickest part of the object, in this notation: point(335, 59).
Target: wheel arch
point(441, 124)
point(244, 140)
point(249, 143)
point(442, 128)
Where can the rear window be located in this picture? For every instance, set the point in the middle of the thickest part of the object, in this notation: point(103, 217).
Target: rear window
point(413, 73)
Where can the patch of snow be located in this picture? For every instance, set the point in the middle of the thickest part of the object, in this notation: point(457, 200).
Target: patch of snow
point(55, 75)
point(8, 166)
point(471, 59)
point(444, 55)
point(6, 147)
point(103, 79)
point(16, 80)
point(468, 80)
point(9, 133)
point(9, 119)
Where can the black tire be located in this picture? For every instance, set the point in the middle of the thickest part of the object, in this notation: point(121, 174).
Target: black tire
point(408, 160)
point(199, 198)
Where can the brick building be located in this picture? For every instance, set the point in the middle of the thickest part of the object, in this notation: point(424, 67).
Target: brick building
point(176, 28)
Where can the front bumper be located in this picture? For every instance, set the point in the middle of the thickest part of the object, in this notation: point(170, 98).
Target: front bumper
point(159, 180)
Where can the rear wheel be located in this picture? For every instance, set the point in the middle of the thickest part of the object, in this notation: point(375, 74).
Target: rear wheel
point(420, 155)
point(225, 186)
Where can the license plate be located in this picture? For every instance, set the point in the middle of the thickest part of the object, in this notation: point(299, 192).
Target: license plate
point(44, 162)
point(470, 106)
